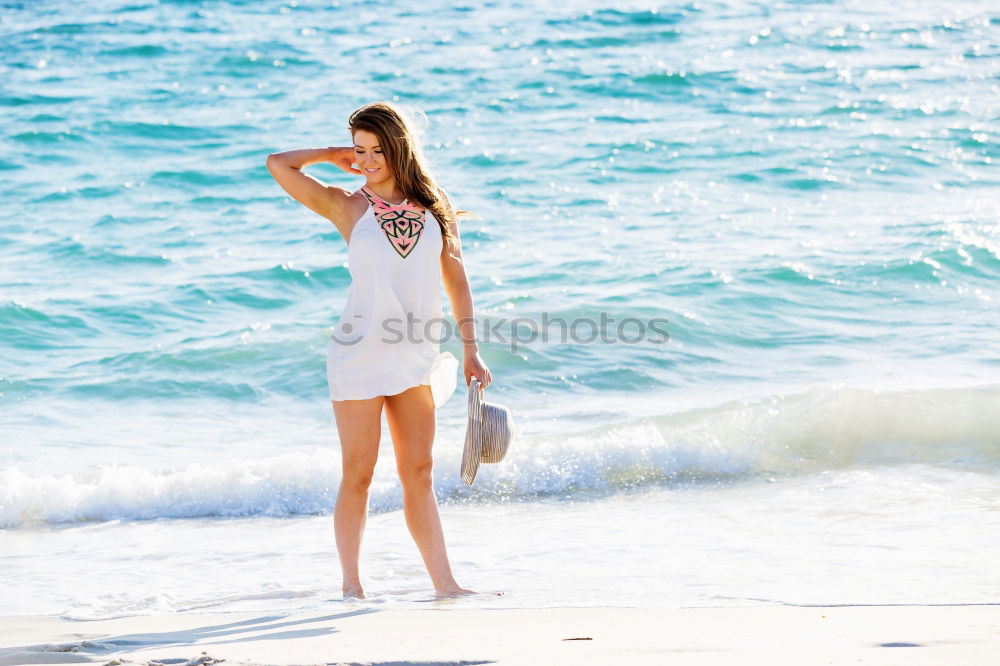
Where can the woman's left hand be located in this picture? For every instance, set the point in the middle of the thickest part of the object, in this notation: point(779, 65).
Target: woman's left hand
point(474, 366)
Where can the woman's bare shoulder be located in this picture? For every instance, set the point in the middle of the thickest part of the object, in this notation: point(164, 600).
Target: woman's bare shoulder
point(443, 195)
point(352, 210)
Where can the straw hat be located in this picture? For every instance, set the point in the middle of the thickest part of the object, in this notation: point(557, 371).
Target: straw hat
point(487, 434)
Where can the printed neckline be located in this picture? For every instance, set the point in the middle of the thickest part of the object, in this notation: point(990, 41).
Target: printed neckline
point(385, 201)
point(401, 223)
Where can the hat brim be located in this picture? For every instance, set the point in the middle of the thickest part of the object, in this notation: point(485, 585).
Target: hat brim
point(472, 452)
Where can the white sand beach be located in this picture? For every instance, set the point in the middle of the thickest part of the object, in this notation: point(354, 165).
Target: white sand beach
point(779, 634)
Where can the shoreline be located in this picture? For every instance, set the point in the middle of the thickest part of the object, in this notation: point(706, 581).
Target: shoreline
point(778, 634)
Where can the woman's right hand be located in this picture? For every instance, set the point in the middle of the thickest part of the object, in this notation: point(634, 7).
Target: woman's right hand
point(343, 157)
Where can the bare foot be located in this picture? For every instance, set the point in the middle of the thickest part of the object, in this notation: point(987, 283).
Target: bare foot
point(354, 592)
point(452, 592)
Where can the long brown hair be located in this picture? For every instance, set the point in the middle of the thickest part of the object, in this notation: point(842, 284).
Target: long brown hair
point(401, 146)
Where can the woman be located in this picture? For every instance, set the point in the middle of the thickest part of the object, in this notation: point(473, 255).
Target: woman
point(398, 257)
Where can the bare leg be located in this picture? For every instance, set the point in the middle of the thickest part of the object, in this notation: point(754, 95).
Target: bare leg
point(359, 424)
point(412, 421)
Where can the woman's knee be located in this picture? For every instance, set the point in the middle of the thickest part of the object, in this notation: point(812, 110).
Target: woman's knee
point(417, 476)
point(358, 479)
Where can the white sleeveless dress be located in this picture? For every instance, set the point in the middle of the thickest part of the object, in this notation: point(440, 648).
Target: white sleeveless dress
point(389, 333)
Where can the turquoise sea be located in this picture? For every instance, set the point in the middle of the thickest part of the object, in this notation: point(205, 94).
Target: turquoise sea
point(786, 213)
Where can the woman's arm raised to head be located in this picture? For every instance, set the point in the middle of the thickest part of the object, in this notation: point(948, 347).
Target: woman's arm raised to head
point(326, 200)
